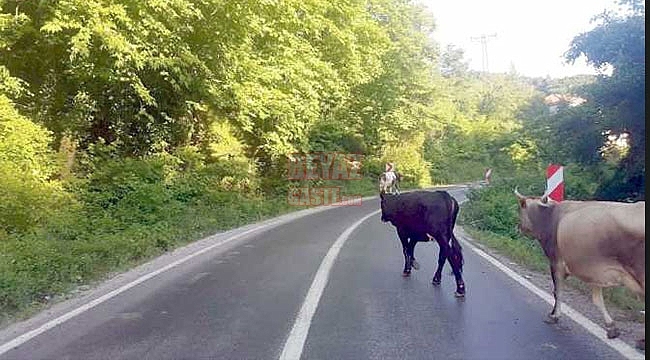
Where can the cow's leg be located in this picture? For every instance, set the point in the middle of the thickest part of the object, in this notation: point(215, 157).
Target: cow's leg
point(636, 284)
point(407, 259)
point(442, 258)
point(451, 250)
point(610, 326)
point(456, 260)
point(557, 276)
point(403, 237)
point(414, 263)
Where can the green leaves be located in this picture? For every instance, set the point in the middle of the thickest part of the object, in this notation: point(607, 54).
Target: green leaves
point(24, 146)
point(617, 101)
point(9, 85)
point(26, 166)
point(132, 73)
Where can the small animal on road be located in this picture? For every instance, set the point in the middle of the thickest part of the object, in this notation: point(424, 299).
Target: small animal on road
point(422, 216)
point(389, 180)
point(601, 243)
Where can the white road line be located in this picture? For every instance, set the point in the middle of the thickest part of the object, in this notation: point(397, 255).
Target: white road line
point(296, 341)
point(65, 317)
point(624, 349)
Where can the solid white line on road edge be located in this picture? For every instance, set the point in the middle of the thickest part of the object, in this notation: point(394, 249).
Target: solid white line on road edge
point(294, 344)
point(65, 317)
point(624, 349)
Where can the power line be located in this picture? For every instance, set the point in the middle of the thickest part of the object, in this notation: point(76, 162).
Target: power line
point(483, 39)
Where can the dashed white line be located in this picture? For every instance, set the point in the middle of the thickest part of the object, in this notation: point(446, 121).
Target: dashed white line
point(296, 341)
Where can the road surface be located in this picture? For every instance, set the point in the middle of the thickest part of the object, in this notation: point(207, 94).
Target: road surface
point(240, 300)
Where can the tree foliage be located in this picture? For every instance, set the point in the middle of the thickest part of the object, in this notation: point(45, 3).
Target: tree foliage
point(259, 80)
point(618, 101)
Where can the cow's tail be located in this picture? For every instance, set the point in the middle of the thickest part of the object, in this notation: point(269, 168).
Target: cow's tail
point(455, 245)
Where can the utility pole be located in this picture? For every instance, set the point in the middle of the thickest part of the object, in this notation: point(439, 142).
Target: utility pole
point(483, 39)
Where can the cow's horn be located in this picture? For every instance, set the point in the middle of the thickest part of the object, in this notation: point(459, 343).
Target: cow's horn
point(521, 197)
point(544, 198)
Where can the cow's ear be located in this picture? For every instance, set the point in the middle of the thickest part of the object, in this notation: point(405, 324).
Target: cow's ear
point(522, 203)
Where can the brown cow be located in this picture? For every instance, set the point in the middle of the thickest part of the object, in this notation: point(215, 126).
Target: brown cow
point(601, 243)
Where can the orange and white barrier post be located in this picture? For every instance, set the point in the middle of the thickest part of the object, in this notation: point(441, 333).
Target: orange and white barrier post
point(488, 175)
point(555, 182)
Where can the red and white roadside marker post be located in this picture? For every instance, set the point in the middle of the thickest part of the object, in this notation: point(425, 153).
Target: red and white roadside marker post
point(555, 182)
point(488, 175)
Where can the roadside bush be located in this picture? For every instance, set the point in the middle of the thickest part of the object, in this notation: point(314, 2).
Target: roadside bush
point(27, 203)
point(24, 144)
point(494, 207)
point(130, 190)
point(580, 183)
point(28, 194)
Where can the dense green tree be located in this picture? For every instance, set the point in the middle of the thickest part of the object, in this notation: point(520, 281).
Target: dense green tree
point(618, 100)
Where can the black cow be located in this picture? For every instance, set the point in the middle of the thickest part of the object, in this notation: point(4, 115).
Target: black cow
point(420, 216)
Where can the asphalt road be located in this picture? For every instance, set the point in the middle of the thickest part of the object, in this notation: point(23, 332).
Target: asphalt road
point(240, 301)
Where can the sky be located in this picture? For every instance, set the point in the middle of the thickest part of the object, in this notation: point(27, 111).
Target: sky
point(531, 35)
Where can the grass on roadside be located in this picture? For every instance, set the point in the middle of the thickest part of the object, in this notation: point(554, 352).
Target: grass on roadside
point(40, 267)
